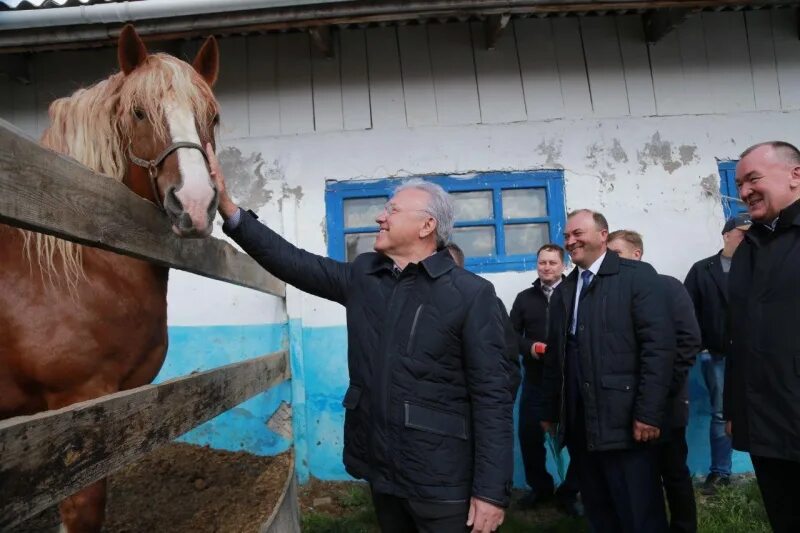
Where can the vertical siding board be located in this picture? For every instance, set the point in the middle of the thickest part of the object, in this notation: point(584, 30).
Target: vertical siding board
point(385, 81)
point(327, 86)
point(454, 74)
point(539, 68)
point(572, 67)
point(667, 70)
point(262, 90)
point(787, 55)
point(498, 74)
point(728, 62)
point(698, 97)
point(231, 90)
point(636, 64)
point(604, 66)
point(415, 61)
point(295, 98)
point(762, 60)
point(356, 112)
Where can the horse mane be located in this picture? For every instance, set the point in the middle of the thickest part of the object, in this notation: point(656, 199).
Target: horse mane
point(93, 126)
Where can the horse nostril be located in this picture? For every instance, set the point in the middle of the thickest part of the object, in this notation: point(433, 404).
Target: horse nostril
point(171, 201)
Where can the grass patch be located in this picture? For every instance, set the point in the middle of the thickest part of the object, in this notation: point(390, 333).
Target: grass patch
point(737, 508)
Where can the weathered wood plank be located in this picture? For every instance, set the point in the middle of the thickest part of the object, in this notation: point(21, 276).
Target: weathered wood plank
point(572, 68)
point(231, 90)
point(385, 81)
point(665, 59)
point(47, 192)
point(697, 97)
point(787, 56)
point(415, 60)
point(762, 60)
point(50, 455)
point(636, 62)
point(454, 75)
point(499, 79)
point(539, 67)
point(355, 83)
point(262, 85)
point(728, 59)
point(294, 83)
point(327, 86)
point(604, 66)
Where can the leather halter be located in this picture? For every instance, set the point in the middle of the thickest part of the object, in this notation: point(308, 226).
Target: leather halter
point(153, 165)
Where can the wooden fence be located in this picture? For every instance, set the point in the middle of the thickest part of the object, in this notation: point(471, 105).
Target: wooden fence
point(50, 455)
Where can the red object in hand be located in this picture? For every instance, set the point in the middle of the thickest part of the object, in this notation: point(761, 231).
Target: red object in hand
point(539, 348)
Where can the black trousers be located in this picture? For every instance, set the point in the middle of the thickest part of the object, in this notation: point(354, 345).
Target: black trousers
point(532, 445)
point(677, 482)
point(401, 515)
point(777, 479)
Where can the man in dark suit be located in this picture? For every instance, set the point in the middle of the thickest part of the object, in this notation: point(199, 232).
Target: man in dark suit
point(529, 316)
point(675, 473)
point(608, 370)
point(707, 283)
point(762, 380)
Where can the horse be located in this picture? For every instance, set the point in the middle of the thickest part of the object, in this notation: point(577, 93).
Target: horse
point(81, 322)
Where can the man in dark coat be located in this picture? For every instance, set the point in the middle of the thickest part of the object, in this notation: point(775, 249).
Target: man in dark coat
point(608, 370)
point(429, 409)
point(675, 473)
point(707, 283)
point(529, 316)
point(762, 383)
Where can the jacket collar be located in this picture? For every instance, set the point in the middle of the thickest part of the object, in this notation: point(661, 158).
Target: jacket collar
point(610, 264)
point(435, 265)
point(788, 217)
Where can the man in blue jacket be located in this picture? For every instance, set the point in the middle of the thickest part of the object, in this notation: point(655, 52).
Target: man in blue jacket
point(429, 408)
point(608, 370)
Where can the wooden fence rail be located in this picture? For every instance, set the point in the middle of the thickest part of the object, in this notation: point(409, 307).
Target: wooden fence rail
point(50, 455)
point(44, 191)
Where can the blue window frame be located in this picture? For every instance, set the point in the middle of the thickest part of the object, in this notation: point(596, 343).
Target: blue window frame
point(501, 217)
point(731, 204)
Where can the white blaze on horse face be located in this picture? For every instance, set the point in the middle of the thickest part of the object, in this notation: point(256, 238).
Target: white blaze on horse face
point(197, 192)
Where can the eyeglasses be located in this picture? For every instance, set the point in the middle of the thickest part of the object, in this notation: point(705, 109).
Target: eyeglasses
point(390, 209)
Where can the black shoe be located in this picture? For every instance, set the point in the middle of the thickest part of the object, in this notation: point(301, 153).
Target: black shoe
point(533, 499)
point(712, 483)
point(570, 504)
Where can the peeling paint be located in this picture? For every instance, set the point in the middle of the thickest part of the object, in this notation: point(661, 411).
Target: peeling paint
point(710, 186)
point(658, 152)
point(592, 154)
point(551, 151)
point(618, 153)
point(687, 153)
point(247, 176)
point(297, 192)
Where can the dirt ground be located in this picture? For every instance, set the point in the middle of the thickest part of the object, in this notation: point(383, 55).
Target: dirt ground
point(182, 488)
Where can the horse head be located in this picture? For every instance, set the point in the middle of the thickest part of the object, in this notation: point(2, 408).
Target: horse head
point(165, 115)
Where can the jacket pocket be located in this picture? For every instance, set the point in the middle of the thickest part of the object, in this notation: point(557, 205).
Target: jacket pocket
point(435, 421)
point(621, 383)
point(351, 397)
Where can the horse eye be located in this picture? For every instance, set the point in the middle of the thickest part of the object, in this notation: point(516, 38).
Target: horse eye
point(138, 113)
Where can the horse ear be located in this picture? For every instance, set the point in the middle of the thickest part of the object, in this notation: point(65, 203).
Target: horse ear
point(206, 62)
point(131, 51)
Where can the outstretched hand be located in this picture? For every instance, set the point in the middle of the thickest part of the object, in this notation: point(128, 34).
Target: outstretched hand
point(226, 206)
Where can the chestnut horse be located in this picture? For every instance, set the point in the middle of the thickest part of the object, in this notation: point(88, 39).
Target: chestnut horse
point(80, 322)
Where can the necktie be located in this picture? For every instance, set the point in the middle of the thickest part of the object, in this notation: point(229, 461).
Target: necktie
point(586, 279)
point(548, 291)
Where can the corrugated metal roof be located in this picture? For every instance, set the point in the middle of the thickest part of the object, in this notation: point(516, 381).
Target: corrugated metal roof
point(44, 4)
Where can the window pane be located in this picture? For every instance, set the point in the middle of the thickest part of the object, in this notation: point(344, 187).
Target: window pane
point(476, 241)
point(524, 203)
point(358, 243)
point(473, 205)
point(362, 212)
point(525, 239)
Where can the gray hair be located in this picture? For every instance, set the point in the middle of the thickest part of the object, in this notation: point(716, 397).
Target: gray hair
point(440, 207)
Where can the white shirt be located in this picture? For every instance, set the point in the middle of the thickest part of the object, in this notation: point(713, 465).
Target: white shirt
point(593, 269)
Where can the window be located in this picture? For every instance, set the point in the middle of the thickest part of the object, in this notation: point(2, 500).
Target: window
point(501, 218)
point(731, 204)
